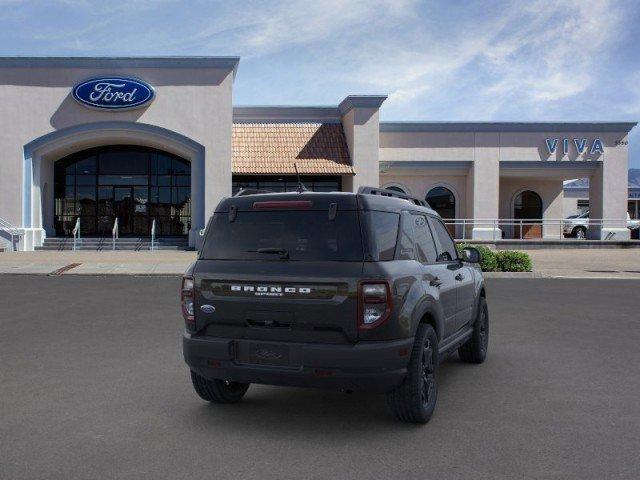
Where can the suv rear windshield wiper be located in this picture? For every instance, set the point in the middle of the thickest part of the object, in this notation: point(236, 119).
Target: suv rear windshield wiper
point(283, 252)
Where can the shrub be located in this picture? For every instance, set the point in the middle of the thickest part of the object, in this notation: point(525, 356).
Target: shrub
point(488, 262)
point(512, 261)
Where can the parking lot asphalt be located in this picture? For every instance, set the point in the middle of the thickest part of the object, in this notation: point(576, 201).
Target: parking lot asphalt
point(92, 386)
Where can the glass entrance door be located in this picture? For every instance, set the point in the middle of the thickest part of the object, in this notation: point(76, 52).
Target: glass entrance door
point(130, 206)
point(123, 208)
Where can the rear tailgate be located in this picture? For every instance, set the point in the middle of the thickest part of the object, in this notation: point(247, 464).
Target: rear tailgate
point(289, 301)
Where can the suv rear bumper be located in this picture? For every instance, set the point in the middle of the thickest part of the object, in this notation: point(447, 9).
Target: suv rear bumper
point(364, 366)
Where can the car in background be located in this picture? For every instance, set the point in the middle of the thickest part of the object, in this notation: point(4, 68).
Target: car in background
point(576, 225)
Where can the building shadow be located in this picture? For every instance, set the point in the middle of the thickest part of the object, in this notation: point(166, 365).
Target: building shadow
point(327, 143)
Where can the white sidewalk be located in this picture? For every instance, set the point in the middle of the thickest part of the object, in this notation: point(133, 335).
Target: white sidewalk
point(161, 262)
point(547, 263)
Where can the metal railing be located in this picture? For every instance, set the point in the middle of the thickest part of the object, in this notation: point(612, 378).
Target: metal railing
point(76, 234)
point(114, 234)
point(153, 235)
point(537, 228)
point(12, 231)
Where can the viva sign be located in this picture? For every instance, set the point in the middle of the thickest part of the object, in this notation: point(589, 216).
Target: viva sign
point(113, 93)
point(580, 144)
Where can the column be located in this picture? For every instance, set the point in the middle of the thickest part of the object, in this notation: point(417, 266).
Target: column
point(485, 182)
point(608, 195)
point(361, 125)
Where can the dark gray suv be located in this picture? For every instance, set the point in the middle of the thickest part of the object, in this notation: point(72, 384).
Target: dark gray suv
point(333, 290)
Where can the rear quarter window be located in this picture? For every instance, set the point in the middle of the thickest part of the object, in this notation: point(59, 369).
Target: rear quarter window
point(382, 233)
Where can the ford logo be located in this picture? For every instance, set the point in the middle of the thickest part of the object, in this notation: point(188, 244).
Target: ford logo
point(113, 93)
point(207, 308)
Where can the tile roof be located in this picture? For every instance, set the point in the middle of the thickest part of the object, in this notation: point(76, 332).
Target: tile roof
point(274, 148)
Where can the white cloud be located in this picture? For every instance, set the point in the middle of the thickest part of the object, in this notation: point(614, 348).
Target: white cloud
point(537, 53)
point(262, 28)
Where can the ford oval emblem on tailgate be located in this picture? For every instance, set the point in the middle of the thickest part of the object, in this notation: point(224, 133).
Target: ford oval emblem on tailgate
point(207, 308)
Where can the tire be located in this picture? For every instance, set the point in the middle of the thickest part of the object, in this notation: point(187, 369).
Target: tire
point(218, 391)
point(475, 350)
point(580, 232)
point(415, 400)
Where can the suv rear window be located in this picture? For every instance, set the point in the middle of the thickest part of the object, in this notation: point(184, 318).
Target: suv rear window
point(306, 235)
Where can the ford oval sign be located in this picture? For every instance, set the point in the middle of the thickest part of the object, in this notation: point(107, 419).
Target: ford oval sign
point(208, 308)
point(113, 93)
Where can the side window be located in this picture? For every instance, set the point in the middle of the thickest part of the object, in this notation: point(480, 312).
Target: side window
point(426, 249)
point(406, 249)
point(446, 246)
point(384, 229)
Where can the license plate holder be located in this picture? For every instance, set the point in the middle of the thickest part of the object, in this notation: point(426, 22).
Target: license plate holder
point(269, 354)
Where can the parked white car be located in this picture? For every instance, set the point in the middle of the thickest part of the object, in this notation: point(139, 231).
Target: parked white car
point(576, 225)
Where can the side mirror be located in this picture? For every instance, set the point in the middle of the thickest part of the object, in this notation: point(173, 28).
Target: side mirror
point(471, 255)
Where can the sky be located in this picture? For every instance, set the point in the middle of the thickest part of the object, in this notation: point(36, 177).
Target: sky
point(444, 60)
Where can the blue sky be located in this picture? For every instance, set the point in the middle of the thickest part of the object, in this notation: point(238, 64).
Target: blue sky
point(437, 60)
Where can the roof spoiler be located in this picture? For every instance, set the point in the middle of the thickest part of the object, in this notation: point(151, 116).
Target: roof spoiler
point(383, 192)
point(250, 191)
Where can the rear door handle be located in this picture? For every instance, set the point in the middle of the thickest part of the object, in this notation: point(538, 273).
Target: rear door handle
point(459, 277)
point(436, 282)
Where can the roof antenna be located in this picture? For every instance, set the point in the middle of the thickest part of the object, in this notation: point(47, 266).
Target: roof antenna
point(301, 187)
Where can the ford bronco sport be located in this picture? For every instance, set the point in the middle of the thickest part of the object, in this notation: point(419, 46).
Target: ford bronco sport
point(334, 290)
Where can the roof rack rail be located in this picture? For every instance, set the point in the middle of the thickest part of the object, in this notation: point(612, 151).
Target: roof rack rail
point(383, 192)
point(250, 191)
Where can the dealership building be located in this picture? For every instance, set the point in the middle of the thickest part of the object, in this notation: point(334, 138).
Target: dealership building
point(158, 141)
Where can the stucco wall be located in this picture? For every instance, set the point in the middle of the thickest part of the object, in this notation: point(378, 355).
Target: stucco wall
point(361, 128)
point(193, 102)
point(569, 206)
point(425, 146)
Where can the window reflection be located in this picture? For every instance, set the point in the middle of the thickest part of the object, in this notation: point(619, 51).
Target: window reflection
point(134, 184)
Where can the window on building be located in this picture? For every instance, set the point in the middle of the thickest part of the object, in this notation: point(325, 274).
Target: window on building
point(528, 206)
point(583, 206)
point(442, 200)
point(136, 185)
point(633, 208)
point(285, 183)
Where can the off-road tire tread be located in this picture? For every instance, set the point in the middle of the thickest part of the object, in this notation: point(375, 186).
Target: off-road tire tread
point(404, 401)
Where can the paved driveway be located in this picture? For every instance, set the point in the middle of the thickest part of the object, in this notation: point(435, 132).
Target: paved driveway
point(93, 387)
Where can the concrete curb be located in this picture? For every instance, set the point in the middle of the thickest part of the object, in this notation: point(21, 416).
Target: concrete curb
point(512, 275)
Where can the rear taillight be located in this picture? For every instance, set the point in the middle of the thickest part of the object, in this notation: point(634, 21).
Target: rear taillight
point(186, 299)
point(374, 299)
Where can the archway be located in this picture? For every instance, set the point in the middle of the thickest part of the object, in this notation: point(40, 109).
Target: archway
point(443, 201)
point(527, 206)
point(41, 154)
point(135, 185)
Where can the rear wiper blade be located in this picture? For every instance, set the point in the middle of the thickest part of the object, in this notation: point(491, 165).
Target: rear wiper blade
point(283, 252)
